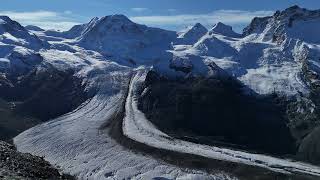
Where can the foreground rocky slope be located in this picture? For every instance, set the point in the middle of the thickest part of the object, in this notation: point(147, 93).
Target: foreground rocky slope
point(15, 165)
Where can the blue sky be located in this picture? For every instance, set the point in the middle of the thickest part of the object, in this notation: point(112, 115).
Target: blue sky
point(169, 14)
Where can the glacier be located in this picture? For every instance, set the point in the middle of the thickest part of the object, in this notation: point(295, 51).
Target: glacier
point(112, 56)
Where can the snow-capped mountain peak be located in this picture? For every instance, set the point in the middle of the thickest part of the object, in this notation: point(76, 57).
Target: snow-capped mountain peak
point(197, 28)
point(293, 22)
point(76, 31)
point(192, 34)
point(12, 33)
point(115, 24)
point(104, 25)
point(117, 18)
point(117, 36)
point(8, 25)
point(18, 48)
point(223, 29)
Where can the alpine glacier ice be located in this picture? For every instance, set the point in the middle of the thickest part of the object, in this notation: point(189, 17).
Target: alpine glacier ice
point(268, 57)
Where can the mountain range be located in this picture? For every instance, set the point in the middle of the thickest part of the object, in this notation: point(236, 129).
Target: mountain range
point(206, 93)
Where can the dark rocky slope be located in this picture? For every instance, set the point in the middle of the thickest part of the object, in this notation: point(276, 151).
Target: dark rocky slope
point(216, 110)
point(12, 123)
point(40, 95)
point(309, 123)
point(15, 165)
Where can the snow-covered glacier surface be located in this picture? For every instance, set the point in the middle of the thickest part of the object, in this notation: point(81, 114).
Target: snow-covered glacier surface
point(76, 143)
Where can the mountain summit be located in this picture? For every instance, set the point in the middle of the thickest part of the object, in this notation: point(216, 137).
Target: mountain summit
point(192, 34)
point(223, 29)
point(117, 36)
point(11, 32)
point(18, 48)
point(294, 22)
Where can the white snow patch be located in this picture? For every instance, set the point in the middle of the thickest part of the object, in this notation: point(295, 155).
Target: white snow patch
point(284, 78)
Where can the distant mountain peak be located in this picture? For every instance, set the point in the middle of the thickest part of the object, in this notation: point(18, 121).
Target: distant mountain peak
point(294, 22)
point(117, 17)
point(114, 24)
point(8, 24)
point(199, 25)
point(296, 12)
point(224, 29)
point(113, 20)
point(11, 32)
point(117, 36)
point(220, 27)
point(5, 18)
point(294, 8)
point(194, 29)
point(192, 34)
point(33, 28)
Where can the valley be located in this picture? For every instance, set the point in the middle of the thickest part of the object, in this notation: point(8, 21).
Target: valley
point(113, 99)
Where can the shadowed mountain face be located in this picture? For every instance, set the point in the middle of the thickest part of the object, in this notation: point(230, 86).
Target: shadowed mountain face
point(37, 97)
point(217, 109)
point(47, 94)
